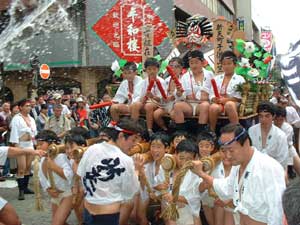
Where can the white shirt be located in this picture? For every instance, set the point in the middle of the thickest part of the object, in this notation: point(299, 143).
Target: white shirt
point(260, 191)
point(190, 86)
point(3, 154)
point(289, 132)
point(149, 169)
point(292, 117)
point(122, 94)
point(107, 174)
point(65, 110)
point(189, 189)
point(19, 129)
point(231, 87)
point(142, 89)
point(276, 143)
point(62, 184)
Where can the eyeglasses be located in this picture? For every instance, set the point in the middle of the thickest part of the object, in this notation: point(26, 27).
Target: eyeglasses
point(233, 140)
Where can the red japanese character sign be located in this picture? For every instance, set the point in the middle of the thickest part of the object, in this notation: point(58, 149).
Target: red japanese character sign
point(121, 28)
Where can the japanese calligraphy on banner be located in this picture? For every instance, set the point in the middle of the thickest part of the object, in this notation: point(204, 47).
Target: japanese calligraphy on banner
point(220, 28)
point(266, 40)
point(147, 42)
point(122, 28)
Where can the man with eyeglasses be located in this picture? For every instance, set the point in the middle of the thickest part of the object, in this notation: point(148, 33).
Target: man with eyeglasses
point(256, 181)
point(268, 138)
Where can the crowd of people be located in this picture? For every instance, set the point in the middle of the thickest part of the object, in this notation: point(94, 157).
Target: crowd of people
point(112, 185)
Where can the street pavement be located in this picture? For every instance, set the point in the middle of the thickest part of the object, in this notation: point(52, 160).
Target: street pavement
point(26, 209)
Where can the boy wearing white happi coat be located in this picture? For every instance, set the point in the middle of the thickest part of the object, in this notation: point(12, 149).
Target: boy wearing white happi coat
point(266, 137)
point(256, 182)
point(60, 190)
point(189, 200)
point(127, 89)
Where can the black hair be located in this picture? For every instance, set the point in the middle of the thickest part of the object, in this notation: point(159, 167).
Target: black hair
point(151, 62)
point(72, 101)
point(177, 59)
point(126, 124)
point(207, 136)
point(280, 111)
point(80, 131)
point(196, 54)
point(266, 106)
point(237, 129)
point(179, 133)
point(44, 106)
point(228, 55)
point(22, 102)
point(75, 138)
point(130, 66)
point(48, 136)
point(144, 134)
point(162, 137)
point(187, 145)
point(105, 131)
point(13, 105)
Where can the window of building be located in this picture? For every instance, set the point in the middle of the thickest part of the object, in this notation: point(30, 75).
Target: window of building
point(223, 11)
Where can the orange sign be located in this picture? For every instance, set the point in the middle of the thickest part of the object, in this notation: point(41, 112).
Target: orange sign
point(44, 71)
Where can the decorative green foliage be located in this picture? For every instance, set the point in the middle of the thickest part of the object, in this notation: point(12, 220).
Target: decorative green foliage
point(258, 58)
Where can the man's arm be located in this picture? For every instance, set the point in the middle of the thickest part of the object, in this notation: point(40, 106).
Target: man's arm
point(15, 151)
point(222, 186)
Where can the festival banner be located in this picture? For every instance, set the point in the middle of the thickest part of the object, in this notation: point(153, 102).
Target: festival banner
point(266, 39)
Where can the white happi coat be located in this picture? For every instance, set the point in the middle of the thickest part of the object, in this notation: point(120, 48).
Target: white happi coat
point(289, 132)
point(258, 192)
point(191, 87)
point(149, 169)
point(292, 116)
point(189, 189)
point(19, 128)
point(142, 89)
point(61, 184)
point(107, 174)
point(123, 90)
point(231, 87)
point(276, 143)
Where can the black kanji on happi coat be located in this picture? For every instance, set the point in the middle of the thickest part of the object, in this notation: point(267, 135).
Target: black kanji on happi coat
point(104, 172)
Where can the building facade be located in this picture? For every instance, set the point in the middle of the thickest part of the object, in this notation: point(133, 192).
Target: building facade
point(78, 58)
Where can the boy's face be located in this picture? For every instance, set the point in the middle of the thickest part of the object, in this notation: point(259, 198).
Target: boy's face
point(265, 119)
point(177, 68)
point(157, 149)
point(152, 71)
point(205, 148)
point(183, 157)
point(129, 75)
point(68, 149)
point(42, 145)
point(228, 66)
point(195, 64)
point(177, 140)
